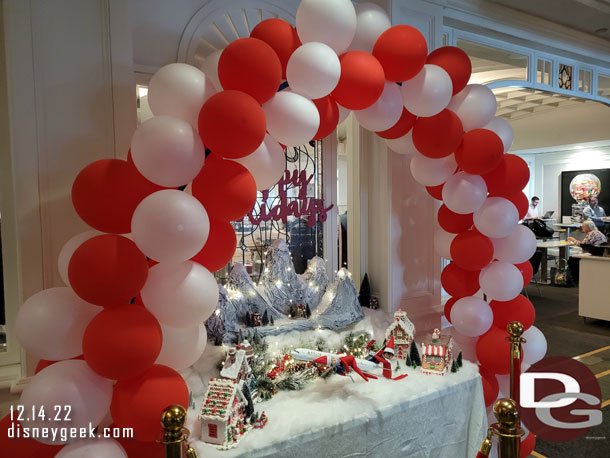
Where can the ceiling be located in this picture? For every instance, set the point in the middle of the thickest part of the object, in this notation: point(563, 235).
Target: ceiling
point(516, 103)
point(589, 16)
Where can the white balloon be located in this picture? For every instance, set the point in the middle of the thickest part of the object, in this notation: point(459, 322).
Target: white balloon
point(68, 250)
point(427, 93)
point(167, 151)
point(535, 346)
point(210, 68)
point(170, 226)
point(93, 448)
point(503, 129)
point(403, 145)
point(442, 243)
point(266, 164)
point(179, 90)
point(343, 113)
point(51, 323)
point(182, 347)
point(292, 119)
point(501, 281)
point(313, 70)
point(66, 383)
point(180, 295)
point(371, 21)
point(329, 21)
point(475, 105)
point(496, 218)
point(471, 316)
point(464, 193)
point(385, 112)
point(467, 345)
point(517, 247)
point(432, 172)
point(504, 382)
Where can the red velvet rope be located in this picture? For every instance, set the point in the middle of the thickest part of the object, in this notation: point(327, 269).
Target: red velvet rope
point(480, 455)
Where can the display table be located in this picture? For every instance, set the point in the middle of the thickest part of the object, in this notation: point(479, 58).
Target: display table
point(420, 416)
point(593, 287)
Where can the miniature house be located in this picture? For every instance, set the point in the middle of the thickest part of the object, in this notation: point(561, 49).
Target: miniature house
point(223, 422)
point(300, 311)
point(245, 346)
point(236, 365)
point(436, 353)
point(402, 329)
point(256, 319)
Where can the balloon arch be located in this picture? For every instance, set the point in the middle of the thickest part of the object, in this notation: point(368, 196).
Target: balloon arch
point(160, 245)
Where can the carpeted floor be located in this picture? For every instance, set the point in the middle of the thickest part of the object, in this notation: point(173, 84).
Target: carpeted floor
point(570, 335)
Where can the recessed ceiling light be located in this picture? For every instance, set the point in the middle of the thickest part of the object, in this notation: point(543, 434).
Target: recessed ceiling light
point(601, 30)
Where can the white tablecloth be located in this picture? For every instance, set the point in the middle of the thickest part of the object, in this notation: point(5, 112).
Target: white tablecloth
point(418, 417)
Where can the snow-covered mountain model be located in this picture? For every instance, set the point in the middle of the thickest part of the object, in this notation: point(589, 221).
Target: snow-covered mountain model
point(244, 294)
point(227, 313)
point(316, 280)
point(279, 282)
point(339, 306)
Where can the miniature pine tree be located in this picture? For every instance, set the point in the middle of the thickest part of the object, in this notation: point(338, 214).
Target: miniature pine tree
point(414, 365)
point(454, 366)
point(408, 361)
point(254, 418)
point(459, 360)
point(217, 341)
point(307, 311)
point(249, 409)
point(265, 318)
point(248, 320)
point(397, 368)
point(364, 296)
point(271, 320)
point(414, 353)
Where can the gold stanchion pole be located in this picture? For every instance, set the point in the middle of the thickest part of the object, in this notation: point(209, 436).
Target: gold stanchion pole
point(515, 329)
point(507, 429)
point(174, 432)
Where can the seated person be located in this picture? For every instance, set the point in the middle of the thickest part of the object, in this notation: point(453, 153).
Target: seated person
point(595, 213)
point(592, 237)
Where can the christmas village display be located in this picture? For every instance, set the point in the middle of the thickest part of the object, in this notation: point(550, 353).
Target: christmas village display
point(250, 373)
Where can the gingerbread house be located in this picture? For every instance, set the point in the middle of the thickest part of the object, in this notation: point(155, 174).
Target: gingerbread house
point(223, 422)
point(403, 330)
point(436, 351)
point(236, 365)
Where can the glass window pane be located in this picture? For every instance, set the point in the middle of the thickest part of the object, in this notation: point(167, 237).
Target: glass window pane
point(584, 81)
point(603, 86)
point(543, 71)
point(493, 64)
point(565, 76)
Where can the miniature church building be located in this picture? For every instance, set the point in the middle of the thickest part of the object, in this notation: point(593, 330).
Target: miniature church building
point(402, 329)
point(236, 365)
point(222, 417)
point(436, 353)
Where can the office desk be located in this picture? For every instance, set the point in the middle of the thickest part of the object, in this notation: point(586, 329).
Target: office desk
point(544, 246)
point(594, 287)
point(568, 227)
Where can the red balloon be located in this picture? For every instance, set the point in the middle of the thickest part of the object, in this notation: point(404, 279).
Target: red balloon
point(510, 176)
point(454, 223)
point(107, 270)
point(490, 386)
point(250, 65)
point(232, 124)
point(138, 402)
point(471, 250)
point(518, 309)
point(44, 363)
point(402, 51)
point(493, 351)
point(106, 193)
point(122, 342)
point(527, 445)
point(459, 282)
point(219, 248)
point(361, 82)
point(436, 191)
point(329, 116)
point(225, 188)
point(448, 306)
point(402, 126)
point(281, 36)
point(481, 151)
point(13, 447)
point(518, 198)
point(527, 271)
point(439, 135)
point(455, 62)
